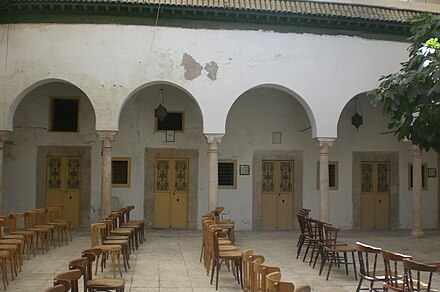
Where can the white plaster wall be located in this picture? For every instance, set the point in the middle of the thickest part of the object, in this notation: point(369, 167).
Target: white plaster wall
point(108, 62)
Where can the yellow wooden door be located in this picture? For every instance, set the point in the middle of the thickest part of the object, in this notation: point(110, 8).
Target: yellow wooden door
point(375, 193)
point(277, 195)
point(171, 193)
point(63, 185)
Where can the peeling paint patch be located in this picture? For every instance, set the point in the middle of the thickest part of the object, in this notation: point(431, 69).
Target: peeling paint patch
point(192, 68)
point(212, 69)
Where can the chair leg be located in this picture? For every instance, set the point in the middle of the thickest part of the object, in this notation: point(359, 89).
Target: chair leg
point(333, 258)
point(360, 285)
point(354, 265)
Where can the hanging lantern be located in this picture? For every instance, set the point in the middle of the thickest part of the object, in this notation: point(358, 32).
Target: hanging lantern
point(161, 111)
point(356, 119)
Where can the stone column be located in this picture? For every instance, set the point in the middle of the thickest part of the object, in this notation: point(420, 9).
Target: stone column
point(3, 137)
point(417, 230)
point(107, 137)
point(213, 140)
point(324, 205)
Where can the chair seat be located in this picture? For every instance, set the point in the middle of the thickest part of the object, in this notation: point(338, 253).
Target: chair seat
point(230, 254)
point(225, 248)
point(106, 283)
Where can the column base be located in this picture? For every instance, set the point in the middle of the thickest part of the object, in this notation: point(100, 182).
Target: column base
point(417, 233)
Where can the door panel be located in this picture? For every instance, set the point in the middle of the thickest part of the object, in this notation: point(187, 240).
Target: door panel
point(63, 186)
point(375, 190)
point(171, 193)
point(277, 195)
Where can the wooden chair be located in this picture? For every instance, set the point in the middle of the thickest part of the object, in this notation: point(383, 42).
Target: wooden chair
point(51, 218)
point(274, 284)
point(60, 218)
point(12, 251)
point(42, 233)
point(368, 271)
point(96, 252)
point(224, 245)
point(218, 257)
point(137, 224)
point(17, 240)
point(56, 288)
point(114, 251)
point(141, 222)
point(39, 221)
point(394, 271)
point(247, 258)
point(334, 253)
point(418, 276)
point(29, 235)
point(4, 255)
point(130, 232)
point(260, 272)
point(123, 241)
point(91, 284)
point(312, 237)
point(70, 277)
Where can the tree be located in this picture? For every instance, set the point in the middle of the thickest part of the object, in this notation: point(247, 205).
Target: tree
point(411, 97)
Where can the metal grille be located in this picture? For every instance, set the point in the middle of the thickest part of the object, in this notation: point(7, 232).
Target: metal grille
point(226, 174)
point(120, 172)
point(64, 115)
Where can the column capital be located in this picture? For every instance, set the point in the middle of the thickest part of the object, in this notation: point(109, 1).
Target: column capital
point(416, 150)
point(324, 144)
point(4, 136)
point(107, 135)
point(213, 139)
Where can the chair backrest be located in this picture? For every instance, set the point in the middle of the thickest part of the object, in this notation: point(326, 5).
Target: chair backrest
point(304, 211)
point(53, 213)
point(41, 216)
point(367, 259)
point(260, 272)
point(95, 230)
point(274, 283)
point(13, 221)
point(393, 263)
point(29, 218)
point(91, 254)
point(330, 236)
point(418, 276)
point(71, 277)
point(61, 207)
point(247, 258)
point(82, 265)
point(302, 223)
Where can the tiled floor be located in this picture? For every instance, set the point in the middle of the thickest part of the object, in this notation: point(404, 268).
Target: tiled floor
point(169, 260)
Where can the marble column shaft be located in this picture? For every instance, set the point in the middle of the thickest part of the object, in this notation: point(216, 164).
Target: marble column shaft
point(417, 230)
point(2, 143)
point(324, 202)
point(106, 137)
point(213, 140)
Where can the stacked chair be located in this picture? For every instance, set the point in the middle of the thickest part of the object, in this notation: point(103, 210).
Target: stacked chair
point(321, 240)
point(23, 232)
point(113, 237)
point(399, 272)
point(218, 247)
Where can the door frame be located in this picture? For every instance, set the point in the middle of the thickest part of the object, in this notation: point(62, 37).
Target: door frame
point(376, 156)
point(259, 156)
point(82, 151)
point(150, 155)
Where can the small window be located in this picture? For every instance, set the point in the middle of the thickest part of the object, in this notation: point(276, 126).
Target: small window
point(424, 176)
point(64, 114)
point(332, 175)
point(121, 172)
point(173, 122)
point(227, 174)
